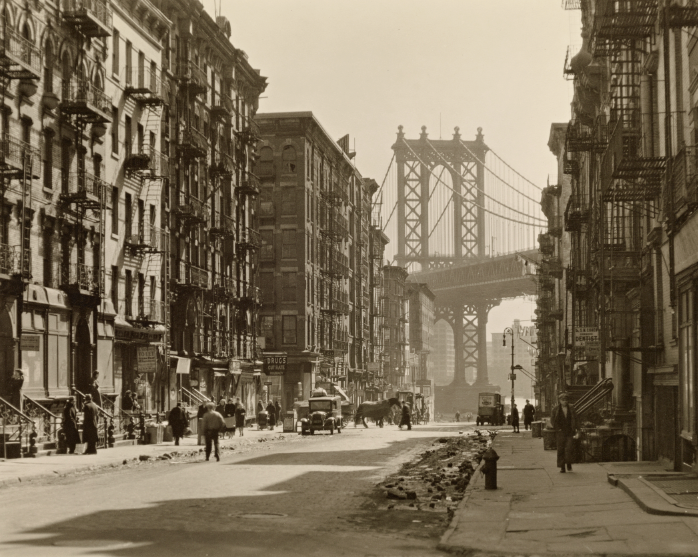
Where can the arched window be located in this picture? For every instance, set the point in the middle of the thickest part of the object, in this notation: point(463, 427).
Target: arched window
point(48, 68)
point(265, 166)
point(288, 158)
point(66, 68)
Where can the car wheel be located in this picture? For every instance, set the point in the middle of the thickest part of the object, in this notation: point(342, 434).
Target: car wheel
point(312, 432)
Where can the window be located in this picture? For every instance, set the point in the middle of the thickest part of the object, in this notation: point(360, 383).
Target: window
point(115, 210)
point(288, 324)
point(48, 259)
point(267, 237)
point(288, 287)
point(129, 63)
point(48, 68)
point(288, 159)
point(288, 247)
point(288, 202)
point(115, 52)
point(268, 331)
point(48, 160)
point(265, 166)
point(128, 294)
point(127, 137)
point(115, 130)
point(128, 221)
point(66, 147)
point(266, 283)
point(687, 364)
point(115, 286)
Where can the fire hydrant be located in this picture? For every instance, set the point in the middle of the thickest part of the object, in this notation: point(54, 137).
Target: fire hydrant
point(490, 468)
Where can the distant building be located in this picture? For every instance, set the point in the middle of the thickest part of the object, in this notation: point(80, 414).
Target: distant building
point(443, 355)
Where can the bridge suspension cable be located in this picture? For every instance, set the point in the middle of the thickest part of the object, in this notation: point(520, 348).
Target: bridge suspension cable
point(448, 165)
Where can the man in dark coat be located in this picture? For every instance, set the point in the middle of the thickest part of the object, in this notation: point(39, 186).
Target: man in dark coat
point(178, 421)
point(90, 424)
point(70, 425)
point(271, 410)
point(564, 422)
point(515, 418)
point(406, 416)
point(94, 389)
point(16, 382)
point(127, 401)
point(528, 412)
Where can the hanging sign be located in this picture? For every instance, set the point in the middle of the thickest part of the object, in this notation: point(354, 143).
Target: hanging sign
point(275, 364)
point(147, 359)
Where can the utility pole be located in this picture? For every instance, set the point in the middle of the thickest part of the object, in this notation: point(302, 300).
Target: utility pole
point(510, 331)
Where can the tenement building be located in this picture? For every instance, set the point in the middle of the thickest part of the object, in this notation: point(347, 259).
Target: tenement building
point(127, 243)
point(315, 262)
point(629, 153)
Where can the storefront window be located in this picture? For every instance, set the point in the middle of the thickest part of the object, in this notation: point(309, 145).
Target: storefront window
point(58, 351)
point(686, 341)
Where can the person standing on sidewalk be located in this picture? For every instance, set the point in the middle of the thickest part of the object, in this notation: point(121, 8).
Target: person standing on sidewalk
point(90, 425)
point(70, 425)
point(529, 411)
point(515, 418)
point(212, 424)
point(178, 421)
point(564, 422)
point(240, 417)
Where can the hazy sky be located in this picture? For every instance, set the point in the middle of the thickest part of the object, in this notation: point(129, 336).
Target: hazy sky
point(365, 67)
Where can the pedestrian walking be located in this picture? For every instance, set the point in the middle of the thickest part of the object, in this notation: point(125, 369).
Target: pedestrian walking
point(564, 422)
point(277, 405)
point(406, 417)
point(90, 425)
point(240, 417)
point(178, 420)
point(271, 410)
point(515, 418)
point(70, 425)
point(221, 407)
point(528, 412)
point(212, 423)
point(457, 416)
point(229, 416)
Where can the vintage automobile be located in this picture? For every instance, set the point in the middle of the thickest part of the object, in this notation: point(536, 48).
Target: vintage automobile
point(324, 414)
point(490, 409)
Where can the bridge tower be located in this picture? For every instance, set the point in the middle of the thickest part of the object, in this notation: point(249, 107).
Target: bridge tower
point(418, 162)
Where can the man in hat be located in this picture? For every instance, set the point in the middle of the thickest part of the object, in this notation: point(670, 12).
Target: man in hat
point(178, 421)
point(90, 425)
point(564, 422)
point(528, 412)
point(16, 382)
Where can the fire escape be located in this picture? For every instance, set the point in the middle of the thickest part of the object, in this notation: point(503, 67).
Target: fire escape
point(630, 180)
point(152, 169)
point(83, 196)
point(19, 162)
point(334, 268)
point(249, 241)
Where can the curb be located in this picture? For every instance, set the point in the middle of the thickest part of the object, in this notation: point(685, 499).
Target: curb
point(443, 544)
point(649, 498)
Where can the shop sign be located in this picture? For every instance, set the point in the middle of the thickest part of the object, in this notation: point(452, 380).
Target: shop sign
point(584, 335)
point(147, 359)
point(275, 364)
point(30, 343)
point(374, 367)
point(327, 353)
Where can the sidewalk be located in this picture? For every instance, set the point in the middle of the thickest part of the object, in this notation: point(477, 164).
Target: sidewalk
point(23, 469)
point(536, 510)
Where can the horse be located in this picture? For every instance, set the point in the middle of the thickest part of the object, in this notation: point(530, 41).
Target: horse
point(376, 410)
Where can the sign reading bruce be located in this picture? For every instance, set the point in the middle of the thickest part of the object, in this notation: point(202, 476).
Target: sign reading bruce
point(147, 359)
point(275, 364)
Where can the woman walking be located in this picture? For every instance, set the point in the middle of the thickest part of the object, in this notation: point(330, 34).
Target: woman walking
point(70, 425)
point(240, 417)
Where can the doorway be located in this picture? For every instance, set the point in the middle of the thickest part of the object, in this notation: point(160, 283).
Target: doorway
point(83, 357)
point(7, 354)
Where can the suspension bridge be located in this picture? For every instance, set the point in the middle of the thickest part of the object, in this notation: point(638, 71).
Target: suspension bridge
point(466, 223)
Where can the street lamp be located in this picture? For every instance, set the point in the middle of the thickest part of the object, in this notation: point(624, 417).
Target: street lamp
point(512, 375)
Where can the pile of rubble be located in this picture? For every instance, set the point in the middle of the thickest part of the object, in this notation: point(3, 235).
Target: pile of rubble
point(437, 479)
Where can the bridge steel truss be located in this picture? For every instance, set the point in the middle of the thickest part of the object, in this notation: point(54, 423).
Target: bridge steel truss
point(466, 312)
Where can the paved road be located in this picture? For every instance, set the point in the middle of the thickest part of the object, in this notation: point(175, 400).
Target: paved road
point(312, 497)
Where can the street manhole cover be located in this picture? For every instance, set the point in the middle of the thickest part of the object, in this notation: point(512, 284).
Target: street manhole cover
point(263, 515)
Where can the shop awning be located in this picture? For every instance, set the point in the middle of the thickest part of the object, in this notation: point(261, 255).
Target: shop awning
point(341, 392)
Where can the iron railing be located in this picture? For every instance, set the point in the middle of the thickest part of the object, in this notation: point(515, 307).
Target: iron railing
point(81, 95)
point(21, 51)
point(48, 424)
point(99, 9)
point(12, 262)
